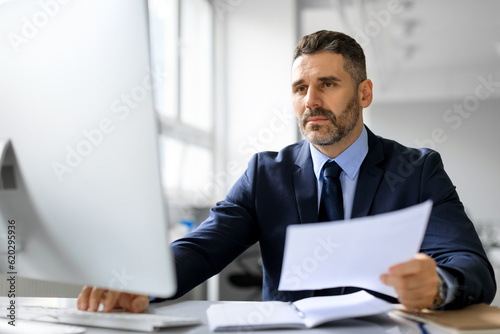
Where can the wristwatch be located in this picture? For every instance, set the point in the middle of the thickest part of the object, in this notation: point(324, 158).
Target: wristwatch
point(441, 295)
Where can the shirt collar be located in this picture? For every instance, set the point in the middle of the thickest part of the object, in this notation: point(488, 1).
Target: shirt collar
point(350, 160)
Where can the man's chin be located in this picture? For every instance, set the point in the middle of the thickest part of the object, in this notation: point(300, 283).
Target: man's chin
point(321, 140)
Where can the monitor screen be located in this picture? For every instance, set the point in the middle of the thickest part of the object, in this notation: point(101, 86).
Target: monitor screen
point(78, 140)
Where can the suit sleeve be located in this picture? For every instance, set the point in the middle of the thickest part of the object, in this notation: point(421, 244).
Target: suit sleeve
point(226, 233)
point(451, 238)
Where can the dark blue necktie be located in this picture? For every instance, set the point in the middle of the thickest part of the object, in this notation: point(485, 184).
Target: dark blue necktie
point(331, 207)
point(331, 204)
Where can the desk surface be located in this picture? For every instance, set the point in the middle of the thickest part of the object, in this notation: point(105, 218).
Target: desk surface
point(367, 325)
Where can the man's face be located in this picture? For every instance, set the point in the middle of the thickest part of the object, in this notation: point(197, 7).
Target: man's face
point(324, 98)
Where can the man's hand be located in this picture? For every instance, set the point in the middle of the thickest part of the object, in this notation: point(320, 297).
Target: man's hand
point(416, 282)
point(91, 297)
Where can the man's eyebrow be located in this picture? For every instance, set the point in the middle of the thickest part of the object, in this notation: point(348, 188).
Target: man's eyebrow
point(322, 79)
point(329, 78)
point(297, 83)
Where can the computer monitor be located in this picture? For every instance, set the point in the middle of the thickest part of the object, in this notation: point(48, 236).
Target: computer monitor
point(78, 141)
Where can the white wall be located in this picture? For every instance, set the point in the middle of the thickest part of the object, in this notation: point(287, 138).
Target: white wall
point(469, 146)
point(260, 39)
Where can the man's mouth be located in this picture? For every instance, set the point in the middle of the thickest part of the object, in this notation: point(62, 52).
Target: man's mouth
point(316, 119)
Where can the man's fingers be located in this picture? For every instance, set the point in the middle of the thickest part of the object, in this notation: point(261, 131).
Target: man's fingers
point(90, 298)
point(95, 299)
point(83, 298)
point(406, 268)
point(109, 300)
point(418, 298)
point(415, 282)
point(415, 303)
point(414, 294)
point(133, 303)
point(140, 303)
point(424, 297)
point(407, 283)
point(421, 263)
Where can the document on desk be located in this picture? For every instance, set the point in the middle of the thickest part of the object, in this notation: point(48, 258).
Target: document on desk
point(352, 252)
point(304, 313)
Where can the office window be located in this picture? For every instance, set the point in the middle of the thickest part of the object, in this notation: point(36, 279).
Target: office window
point(182, 53)
point(190, 174)
point(196, 64)
point(163, 26)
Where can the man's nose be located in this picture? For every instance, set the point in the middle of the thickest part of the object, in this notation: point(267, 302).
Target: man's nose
point(313, 99)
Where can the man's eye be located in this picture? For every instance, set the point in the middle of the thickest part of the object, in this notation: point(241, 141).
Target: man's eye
point(301, 89)
point(329, 84)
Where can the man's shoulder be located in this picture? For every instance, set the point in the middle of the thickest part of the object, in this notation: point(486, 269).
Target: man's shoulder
point(289, 154)
point(271, 167)
point(393, 149)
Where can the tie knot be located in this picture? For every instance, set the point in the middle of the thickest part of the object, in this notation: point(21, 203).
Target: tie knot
point(331, 169)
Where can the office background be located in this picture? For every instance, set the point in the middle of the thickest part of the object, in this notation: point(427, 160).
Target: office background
point(226, 95)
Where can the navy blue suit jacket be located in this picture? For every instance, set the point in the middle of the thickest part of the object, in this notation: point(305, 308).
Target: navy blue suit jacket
point(279, 189)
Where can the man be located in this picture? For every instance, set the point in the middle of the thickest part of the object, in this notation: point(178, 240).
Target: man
point(329, 91)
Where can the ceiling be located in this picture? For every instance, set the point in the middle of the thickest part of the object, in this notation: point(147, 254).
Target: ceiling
point(423, 49)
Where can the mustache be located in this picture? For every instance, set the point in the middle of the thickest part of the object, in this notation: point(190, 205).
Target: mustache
point(320, 111)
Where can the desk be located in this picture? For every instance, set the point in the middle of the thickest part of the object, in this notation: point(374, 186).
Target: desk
point(368, 325)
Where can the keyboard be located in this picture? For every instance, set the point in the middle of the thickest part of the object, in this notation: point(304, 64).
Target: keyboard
point(144, 322)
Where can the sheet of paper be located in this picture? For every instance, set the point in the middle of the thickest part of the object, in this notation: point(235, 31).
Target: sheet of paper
point(318, 310)
point(352, 252)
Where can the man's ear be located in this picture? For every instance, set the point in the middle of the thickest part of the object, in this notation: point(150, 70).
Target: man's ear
point(365, 93)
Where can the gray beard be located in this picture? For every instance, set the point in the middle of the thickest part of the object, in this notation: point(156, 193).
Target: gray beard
point(341, 126)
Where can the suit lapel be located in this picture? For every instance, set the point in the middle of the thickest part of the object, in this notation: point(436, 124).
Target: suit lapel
point(370, 176)
point(304, 183)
